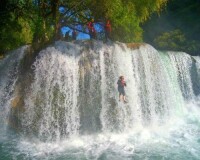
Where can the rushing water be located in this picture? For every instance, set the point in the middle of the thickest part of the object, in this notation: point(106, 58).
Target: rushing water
point(71, 108)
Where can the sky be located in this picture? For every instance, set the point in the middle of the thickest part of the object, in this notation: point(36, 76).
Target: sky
point(80, 35)
point(98, 27)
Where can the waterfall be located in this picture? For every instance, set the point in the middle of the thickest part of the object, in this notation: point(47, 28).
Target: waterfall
point(74, 89)
point(182, 65)
point(195, 75)
point(115, 115)
point(9, 70)
point(51, 103)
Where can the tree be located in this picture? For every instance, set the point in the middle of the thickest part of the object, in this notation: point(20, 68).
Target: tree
point(182, 15)
point(174, 40)
point(44, 18)
point(15, 29)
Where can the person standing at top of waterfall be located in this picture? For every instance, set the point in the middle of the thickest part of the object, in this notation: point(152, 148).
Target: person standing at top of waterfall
point(121, 84)
point(67, 37)
point(107, 30)
point(74, 35)
point(92, 31)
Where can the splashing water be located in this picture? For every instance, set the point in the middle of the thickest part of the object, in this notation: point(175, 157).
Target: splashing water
point(8, 77)
point(51, 106)
point(72, 108)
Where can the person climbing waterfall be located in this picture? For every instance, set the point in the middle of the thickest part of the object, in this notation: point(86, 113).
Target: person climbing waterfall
point(121, 84)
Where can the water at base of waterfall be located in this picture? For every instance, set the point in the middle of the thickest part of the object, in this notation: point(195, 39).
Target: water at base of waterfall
point(178, 140)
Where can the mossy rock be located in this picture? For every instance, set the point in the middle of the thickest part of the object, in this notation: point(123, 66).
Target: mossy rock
point(18, 103)
point(134, 45)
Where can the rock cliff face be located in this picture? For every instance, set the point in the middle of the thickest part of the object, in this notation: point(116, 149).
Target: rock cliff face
point(70, 88)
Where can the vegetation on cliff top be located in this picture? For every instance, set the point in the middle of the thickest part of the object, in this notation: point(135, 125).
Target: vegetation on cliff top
point(39, 21)
point(28, 21)
point(176, 28)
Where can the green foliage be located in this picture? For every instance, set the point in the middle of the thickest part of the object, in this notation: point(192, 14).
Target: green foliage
point(125, 15)
point(175, 40)
point(42, 31)
point(144, 8)
point(27, 21)
point(179, 14)
point(15, 30)
point(25, 34)
point(125, 23)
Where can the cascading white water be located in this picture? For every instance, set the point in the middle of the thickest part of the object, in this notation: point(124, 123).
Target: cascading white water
point(195, 75)
point(72, 104)
point(69, 78)
point(182, 65)
point(9, 67)
point(149, 89)
point(51, 104)
point(61, 100)
point(115, 62)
